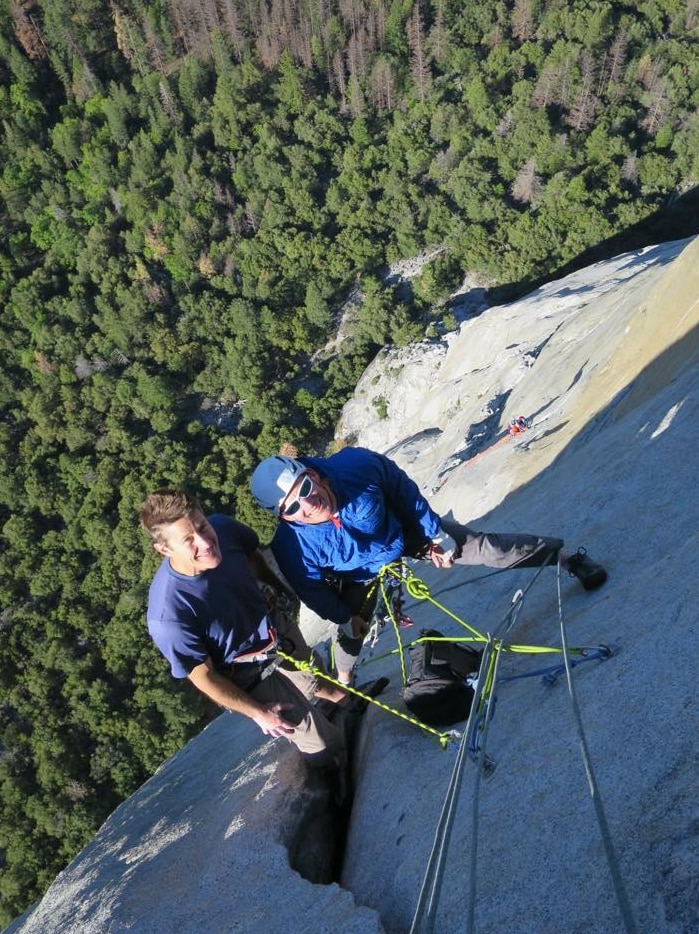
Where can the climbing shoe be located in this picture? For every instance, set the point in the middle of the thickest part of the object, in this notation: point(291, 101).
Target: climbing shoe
point(590, 574)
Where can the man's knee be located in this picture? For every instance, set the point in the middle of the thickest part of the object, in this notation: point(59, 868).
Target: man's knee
point(320, 742)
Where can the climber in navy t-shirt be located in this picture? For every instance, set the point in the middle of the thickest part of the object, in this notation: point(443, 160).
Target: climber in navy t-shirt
point(209, 619)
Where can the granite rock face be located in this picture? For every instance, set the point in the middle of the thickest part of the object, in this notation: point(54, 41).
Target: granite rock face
point(205, 846)
point(606, 365)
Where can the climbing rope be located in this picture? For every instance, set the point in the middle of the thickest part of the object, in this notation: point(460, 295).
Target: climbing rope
point(485, 767)
point(610, 853)
point(480, 716)
point(418, 590)
point(398, 572)
point(478, 722)
point(428, 900)
point(443, 736)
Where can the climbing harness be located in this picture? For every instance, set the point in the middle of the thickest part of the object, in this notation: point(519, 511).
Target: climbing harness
point(391, 602)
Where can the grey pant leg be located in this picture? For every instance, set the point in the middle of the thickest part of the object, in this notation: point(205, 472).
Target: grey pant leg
point(320, 742)
point(361, 600)
point(293, 642)
point(291, 639)
point(502, 549)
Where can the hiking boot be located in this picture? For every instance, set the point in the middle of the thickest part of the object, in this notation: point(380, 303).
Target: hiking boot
point(590, 574)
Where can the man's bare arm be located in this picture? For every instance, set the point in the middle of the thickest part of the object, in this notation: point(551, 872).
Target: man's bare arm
point(225, 693)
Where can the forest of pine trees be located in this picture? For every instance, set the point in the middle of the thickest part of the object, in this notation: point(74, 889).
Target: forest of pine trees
point(190, 189)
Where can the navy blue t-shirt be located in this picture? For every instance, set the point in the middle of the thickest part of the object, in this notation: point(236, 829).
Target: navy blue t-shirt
point(219, 613)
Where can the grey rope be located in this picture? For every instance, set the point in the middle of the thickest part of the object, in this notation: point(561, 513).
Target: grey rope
point(426, 909)
point(505, 626)
point(619, 887)
point(473, 859)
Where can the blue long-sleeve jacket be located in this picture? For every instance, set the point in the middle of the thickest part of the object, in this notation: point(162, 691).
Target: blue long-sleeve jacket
point(380, 511)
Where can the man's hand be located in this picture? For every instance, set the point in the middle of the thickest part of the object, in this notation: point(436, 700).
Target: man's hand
point(439, 557)
point(271, 722)
point(226, 693)
point(360, 627)
point(356, 627)
point(442, 550)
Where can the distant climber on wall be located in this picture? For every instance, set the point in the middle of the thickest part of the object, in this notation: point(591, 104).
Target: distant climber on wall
point(517, 425)
point(209, 618)
point(343, 517)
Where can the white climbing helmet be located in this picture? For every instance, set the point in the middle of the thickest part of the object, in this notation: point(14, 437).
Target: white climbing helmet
point(272, 480)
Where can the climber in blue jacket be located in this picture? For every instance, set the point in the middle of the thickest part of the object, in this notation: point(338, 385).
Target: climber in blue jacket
point(342, 518)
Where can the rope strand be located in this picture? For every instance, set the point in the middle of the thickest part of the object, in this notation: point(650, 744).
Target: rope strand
point(610, 853)
point(426, 909)
point(479, 720)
